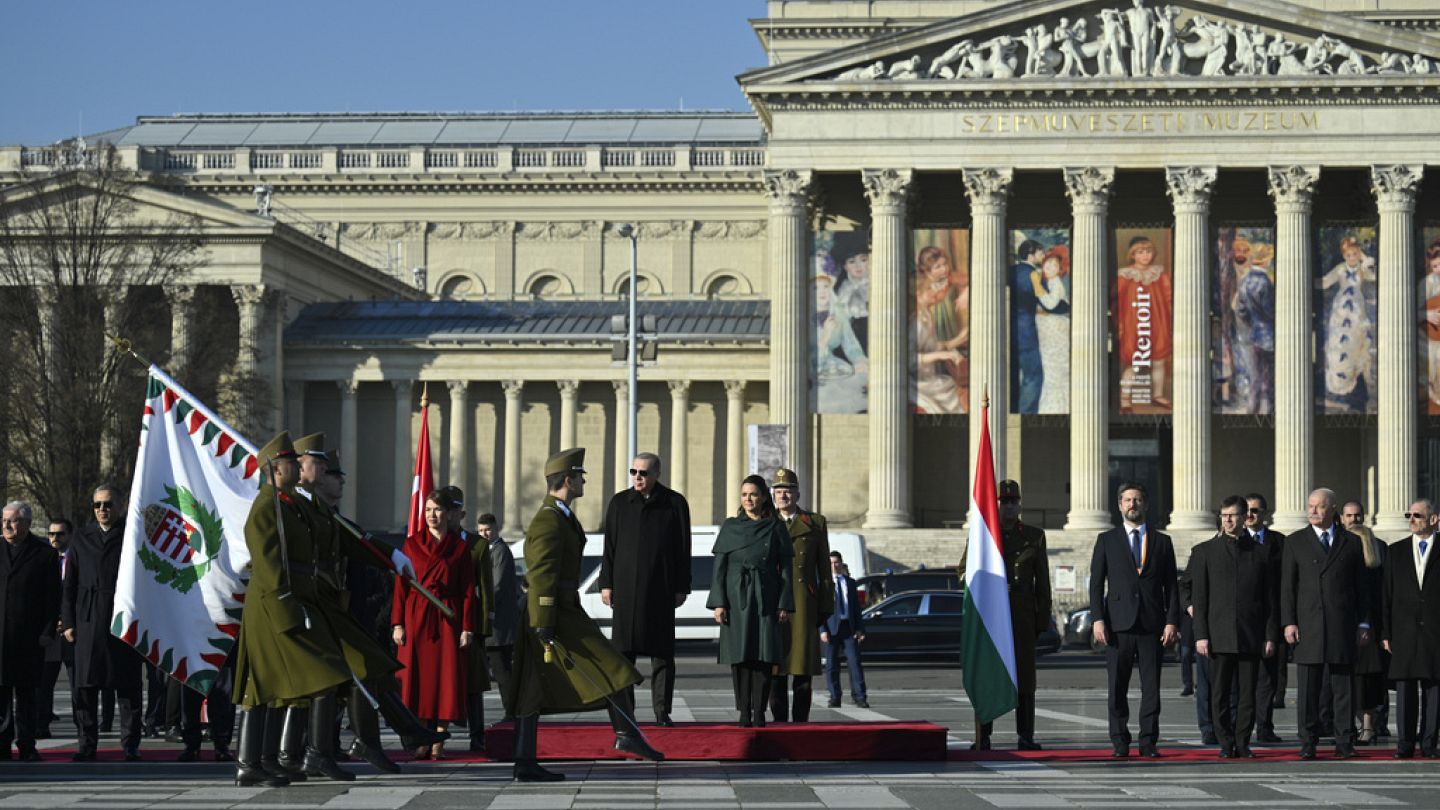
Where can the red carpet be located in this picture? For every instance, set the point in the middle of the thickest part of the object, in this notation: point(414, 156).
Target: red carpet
point(1172, 755)
point(826, 742)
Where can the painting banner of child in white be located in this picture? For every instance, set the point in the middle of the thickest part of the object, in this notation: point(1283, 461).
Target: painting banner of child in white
point(840, 365)
point(1144, 316)
point(1430, 328)
point(1345, 368)
point(1243, 326)
point(1039, 282)
point(941, 321)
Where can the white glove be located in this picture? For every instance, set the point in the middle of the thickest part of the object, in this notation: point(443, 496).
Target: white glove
point(402, 564)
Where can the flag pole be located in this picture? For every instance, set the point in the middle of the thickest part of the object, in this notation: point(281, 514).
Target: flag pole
point(124, 346)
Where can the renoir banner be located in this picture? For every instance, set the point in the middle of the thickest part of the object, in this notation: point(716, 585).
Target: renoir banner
point(180, 590)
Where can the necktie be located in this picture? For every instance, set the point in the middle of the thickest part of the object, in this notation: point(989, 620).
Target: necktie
point(1423, 544)
point(1325, 539)
point(1135, 545)
point(842, 608)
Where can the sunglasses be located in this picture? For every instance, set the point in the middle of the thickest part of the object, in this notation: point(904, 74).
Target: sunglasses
point(103, 505)
point(57, 534)
point(640, 473)
point(1255, 511)
point(1416, 516)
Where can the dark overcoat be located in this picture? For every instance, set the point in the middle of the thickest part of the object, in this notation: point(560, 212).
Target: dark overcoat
point(646, 564)
point(1027, 572)
point(87, 606)
point(1131, 601)
point(505, 610)
point(554, 552)
point(814, 589)
point(29, 606)
point(1232, 591)
point(1371, 659)
point(754, 580)
point(1324, 594)
point(1412, 614)
point(477, 677)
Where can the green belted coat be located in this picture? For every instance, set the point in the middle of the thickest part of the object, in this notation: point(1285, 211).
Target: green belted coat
point(299, 642)
point(753, 582)
point(554, 547)
point(814, 589)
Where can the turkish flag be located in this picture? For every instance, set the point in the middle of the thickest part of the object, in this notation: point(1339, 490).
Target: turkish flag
point(423, 482)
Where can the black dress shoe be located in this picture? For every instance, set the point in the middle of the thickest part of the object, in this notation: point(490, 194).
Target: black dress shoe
point(132, 755)
point(222, 754)
point(1268, 737)
point(1307, 752)
point(189, 755)
point(1187, 691)
point(1120, 752)
point(1226, 753)
point(834, 704)
point(173, 735)
point(664, 721)
point(1209, 738)
point(83, 755)
point(982, 744)
point(1244, 753)
point(258, 777)
point(1404, 753)
point(1028, 744)
point(637, 745)
point(532, 772)
point(862, 704)
point(30, 755)
point(1150, 752)
point(1345, 752)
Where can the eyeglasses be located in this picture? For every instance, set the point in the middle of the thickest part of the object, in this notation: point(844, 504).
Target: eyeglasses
point(57, 534)
point(1255, 511)
point(1232, 515)
point(103, 505)
point(1416, 516)
point(639, 473)
point(1361, 515)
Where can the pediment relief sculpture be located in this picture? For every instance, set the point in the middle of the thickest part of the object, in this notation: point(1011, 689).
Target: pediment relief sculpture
point(1140, 41)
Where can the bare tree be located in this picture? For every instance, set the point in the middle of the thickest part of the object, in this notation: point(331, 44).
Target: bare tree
point(79, 257)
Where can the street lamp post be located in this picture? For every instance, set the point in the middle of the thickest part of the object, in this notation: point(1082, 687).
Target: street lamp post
point(633, 355)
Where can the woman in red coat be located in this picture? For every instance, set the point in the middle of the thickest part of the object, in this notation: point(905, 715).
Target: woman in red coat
point(432, 684)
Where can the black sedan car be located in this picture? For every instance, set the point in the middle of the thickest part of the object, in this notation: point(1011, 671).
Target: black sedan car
point(925, 625)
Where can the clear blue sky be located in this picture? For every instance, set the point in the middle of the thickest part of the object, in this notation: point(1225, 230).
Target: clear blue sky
point(111, 61)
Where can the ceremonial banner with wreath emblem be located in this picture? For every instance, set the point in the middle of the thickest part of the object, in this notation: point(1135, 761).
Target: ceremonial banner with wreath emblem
point(181, 587)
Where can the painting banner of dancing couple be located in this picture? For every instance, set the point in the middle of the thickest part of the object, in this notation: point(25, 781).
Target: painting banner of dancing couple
point(941, 321)
point(839, 353)
point(1242, 323)
point(1142, 311)
point(1039, 279)
point(1346, 319)
point(1430, 328)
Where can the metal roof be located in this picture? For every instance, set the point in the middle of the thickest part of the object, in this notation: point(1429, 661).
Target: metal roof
point(440, 129)
point(371, 322)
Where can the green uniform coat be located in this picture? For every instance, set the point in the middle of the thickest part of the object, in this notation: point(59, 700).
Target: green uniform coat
point(280, 660)
point(1027, 567)
point(814, 594)
point(554, 546)
point(753, 581)
point(477, 675)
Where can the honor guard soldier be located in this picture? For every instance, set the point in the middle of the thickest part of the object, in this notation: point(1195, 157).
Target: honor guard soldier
point(814, 599)
point(1027, 568)
point(563, 663)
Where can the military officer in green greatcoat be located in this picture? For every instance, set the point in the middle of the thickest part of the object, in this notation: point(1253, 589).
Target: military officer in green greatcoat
point(814, 599)
point(1027, 567)
point(584, 668)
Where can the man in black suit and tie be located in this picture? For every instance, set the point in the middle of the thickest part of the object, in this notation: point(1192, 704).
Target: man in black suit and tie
point(1270, 688)
point(1237, 621)
point(1136, 603)
point(844, 630)
point(1325, 610)
point(1411, 629)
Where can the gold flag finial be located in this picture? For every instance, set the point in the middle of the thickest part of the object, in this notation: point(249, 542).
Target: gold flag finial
point(424, 395)
point(124, 346)
point(985, 396)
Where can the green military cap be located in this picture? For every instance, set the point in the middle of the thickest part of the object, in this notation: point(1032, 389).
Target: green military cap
point(332, 463)
point(312, 445)
point(1009, 488)
point(785, 479)
point(572, 460)
point(276, 448)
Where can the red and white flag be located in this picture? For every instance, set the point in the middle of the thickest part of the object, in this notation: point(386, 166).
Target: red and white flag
point(423, 482)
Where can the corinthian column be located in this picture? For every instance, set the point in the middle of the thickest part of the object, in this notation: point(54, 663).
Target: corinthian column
point(182, 309)
point(569, 393)
point(404, 451)
point(890, 350)
point(513, 403)
point(250, 302)
point(989, 192)
point(734, 445)
point(1293, 189)
point(622, 433)
point(1397, 476)
point(789, 316)
point(1190, 193)
point(459, 425)
point(350, 443)
point(1089, 192)
point(679, 461)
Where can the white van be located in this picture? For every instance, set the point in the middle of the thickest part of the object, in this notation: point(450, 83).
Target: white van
point(692, 620)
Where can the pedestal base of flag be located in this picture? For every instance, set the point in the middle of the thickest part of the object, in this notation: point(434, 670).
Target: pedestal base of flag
point(814, 742)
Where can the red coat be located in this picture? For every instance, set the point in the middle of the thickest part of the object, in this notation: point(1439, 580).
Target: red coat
point(432, 683)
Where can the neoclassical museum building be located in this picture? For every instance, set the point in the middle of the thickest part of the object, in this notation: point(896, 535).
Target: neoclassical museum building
point(1192, 244)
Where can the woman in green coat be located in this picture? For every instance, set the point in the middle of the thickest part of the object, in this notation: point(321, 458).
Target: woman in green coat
point(751, 595)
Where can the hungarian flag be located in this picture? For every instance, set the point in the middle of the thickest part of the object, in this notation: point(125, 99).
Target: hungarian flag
point(424, 481)
point(180, 589)
point(987, 645)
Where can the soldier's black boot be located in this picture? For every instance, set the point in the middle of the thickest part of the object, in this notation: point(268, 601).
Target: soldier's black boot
point(628, 737)
point(274, 727)
point(413, 733)
point(320, 751)
point(475, 720)
point(248, 772)
point(527, 764)
point(291, 758)
point(367, 734)
point(779, 698)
